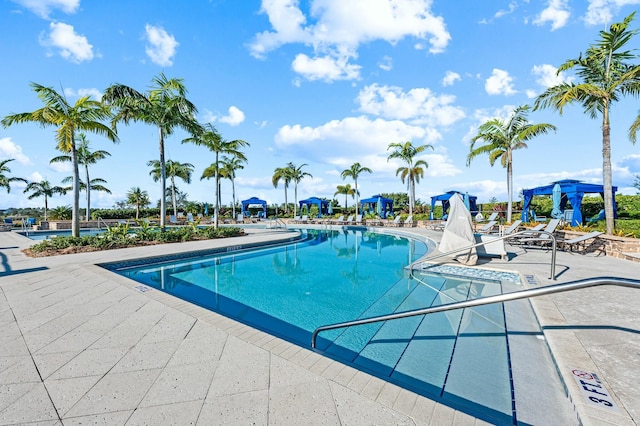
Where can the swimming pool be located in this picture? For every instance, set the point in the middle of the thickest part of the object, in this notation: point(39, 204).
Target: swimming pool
point(460, 358)
point(43, 235)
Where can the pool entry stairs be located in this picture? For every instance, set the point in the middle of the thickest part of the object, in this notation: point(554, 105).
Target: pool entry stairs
point(457, 357)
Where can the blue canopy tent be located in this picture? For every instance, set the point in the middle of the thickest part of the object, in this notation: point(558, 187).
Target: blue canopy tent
point(378, 204)
point(571, 191)
point(323, 205)
point(473, 208)
point(254, 201)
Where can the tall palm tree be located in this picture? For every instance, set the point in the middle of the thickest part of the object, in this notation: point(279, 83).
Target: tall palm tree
point(43, 189)
point(211, 139)
point(85, 158)
point(413, 171)
point(95, 184)
point(139, 198)
point(346, 190)
point(229, 167)
point(165, 106)
point(173, 170)
point(5, 181)
point(607, 75)
point(502, 137)
point(282, 174)
point(354, 172)
point(85, 115)
point(297, 175)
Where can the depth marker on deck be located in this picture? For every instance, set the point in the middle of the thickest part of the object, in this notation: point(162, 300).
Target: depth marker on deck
point(594, 390)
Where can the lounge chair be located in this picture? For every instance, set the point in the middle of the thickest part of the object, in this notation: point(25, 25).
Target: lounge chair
point(408, 221)
point(396, 221)
point(537, 218)
point(350, 220)
point(304, 218)
point(542, 238)
point(338, 221)
point(173, 220)
point(358, 220)
point(578, 242)
point(600, 216)
point(487, 228)
point(512, 228)
point(491, 217)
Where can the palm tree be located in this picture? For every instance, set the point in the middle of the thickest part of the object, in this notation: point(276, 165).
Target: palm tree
point(165, 106)
point(297, 175)
point(353, 172)
point(5, 181)
point(95, 184)
point(139, 198)
point(211, 139)
point(43, 189)
point(346, 190)
point(282, 174)
point(412, 172)
point(85, 157)
point(173, 170)
point(607, 75)
point(229, 167)
point(502, 137)
point(85, 115)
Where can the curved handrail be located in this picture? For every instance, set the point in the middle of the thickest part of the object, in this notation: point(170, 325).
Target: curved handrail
point(533, 237)
point(522, 294)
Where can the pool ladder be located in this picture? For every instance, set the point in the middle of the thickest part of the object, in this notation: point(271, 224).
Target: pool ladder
point(499, 298)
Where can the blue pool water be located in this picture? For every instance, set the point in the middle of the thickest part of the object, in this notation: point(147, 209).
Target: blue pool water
point(43, 235)
point(461, 358)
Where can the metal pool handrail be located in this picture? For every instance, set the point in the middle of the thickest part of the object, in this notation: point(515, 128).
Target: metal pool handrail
point(499, 298)
point(552, 274)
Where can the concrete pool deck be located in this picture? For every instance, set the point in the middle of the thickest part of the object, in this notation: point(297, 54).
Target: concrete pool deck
point(79, 344)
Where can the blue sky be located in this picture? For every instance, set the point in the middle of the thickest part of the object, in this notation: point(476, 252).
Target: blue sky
point(322, 82)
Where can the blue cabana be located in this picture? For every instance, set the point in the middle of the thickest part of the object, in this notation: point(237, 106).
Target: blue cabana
point(445, 202)
point(323, 205)
point(254, 201)
point(571, 191)
point(379, 204)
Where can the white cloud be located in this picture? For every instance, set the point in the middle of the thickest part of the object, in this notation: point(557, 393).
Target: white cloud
point(503, 12)
point(386, 63)
point(43, 8)
point(162, 46)
point(9, 149)
point(420, 105)
point(325, 68)
point(548, 75)
point(450, 77)
point(95, 94)
point(35, 177)
point(481, 116)
point(70, 45)
point(500, 83)
point(556, 12)
point(234, 117)
point(334, 34)
point(601, 12)
point(61, 167)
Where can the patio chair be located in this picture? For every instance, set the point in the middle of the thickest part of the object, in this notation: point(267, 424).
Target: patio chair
point(358, 220)
point(579, 242)
point(542, 239)
point(173, 220)
point(487, 228)
point(537, 218)
point(511, 229)
point(408, 221)
point(395, 221)
point(338, 221)
point(491, 217)
point(350, 220)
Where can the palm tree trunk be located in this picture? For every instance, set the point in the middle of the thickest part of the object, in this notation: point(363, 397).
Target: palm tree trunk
point(216, 208)
point(75, 214)
point(356, 184)
point(233, 197)
point(509, 185)
point(46, 207)
point(86, 174)
point(606, 172)
point(295, 199)
point(411, 195)
point(286, 204)
point(163, 183)
point(173, 196)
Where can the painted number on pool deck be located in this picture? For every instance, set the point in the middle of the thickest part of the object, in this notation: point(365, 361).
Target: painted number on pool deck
point(593, 389)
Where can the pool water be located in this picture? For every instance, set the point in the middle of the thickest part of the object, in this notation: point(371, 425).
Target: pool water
point(43, 235)
point(461, 358)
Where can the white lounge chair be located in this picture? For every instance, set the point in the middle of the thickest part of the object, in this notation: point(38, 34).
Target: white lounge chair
point(338, 221)
point(580, 241)
point(491, 217)
point(395, 221)
point(487, 228)
point(512, 228)
point(543, 238)
point(408, 221)
point(349, 220)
